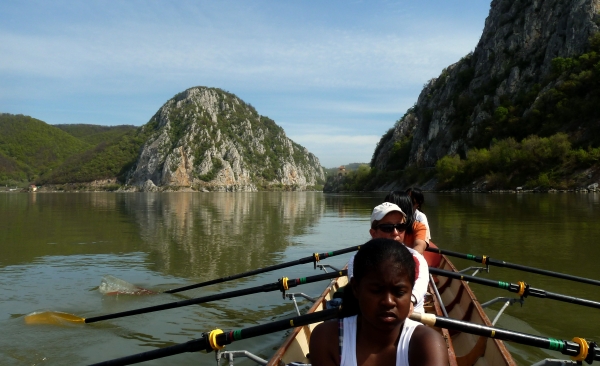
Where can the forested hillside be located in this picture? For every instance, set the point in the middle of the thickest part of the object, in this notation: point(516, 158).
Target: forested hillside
point(32, 151)
point(95, 134)
point(30, 148)
point(108, 159)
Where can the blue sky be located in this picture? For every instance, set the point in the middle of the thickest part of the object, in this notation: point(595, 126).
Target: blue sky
point(335, 75)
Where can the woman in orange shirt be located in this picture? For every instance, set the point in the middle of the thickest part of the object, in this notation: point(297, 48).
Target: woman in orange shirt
point(416, 234)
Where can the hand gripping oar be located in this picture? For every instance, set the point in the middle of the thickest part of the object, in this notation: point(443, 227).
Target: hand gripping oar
point(521, 288)
point(579, 349)
point(217, 339)
point(283, 284)
point(313, 258)
point(498, 263)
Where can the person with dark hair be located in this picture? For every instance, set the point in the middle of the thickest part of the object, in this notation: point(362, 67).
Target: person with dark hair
point(416, 233)
point(389, 221)
point(418, 199)
point(374, 328)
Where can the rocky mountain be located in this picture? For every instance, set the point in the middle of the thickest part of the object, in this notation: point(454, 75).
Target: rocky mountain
point(521, 64)
point(208, 139)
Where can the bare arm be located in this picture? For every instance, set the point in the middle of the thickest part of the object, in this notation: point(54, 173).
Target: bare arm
point(420, 232)
point(427, 348)
point(324, 349)
point(420, 246)
point(422, 281)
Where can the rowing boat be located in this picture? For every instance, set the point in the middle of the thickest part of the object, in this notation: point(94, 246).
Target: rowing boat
point(460, 303)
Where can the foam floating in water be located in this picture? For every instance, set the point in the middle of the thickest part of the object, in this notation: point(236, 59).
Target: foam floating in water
point(111, 285)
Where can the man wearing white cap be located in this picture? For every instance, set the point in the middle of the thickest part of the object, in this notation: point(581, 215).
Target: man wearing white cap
point(389, 221)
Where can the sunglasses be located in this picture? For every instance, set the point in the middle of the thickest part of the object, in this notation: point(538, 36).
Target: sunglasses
point(389, 228)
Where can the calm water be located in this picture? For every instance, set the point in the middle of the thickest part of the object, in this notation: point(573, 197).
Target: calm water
point(55, 248)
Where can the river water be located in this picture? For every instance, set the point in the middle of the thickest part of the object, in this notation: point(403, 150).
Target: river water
point(56, 247)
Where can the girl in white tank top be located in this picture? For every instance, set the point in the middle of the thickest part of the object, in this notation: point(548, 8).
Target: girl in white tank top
point(348, 341)
point(374, 329)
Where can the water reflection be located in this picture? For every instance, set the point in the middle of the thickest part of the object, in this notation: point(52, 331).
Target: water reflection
point(204, 236)
point(38, 225)
point(187, 234)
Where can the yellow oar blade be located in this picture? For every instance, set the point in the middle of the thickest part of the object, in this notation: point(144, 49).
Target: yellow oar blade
point(53, 318)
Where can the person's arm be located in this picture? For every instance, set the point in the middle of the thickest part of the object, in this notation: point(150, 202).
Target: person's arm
point(420, 234)
point(423, 220)
point(324, 348)
point(422, 279)
point(427, 347)
point(420, 246)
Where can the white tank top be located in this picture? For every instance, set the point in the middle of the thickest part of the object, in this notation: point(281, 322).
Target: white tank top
point(348, 345)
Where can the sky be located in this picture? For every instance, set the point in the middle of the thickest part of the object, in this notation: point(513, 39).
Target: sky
point(336, 75)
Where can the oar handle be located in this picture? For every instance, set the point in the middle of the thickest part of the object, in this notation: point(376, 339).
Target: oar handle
point(313, 258)
point(220, 296)
point(590, 351)
point(522, 289)
point(222, 339)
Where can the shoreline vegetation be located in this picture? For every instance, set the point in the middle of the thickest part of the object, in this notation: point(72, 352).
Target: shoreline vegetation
point(120, 189)
point(115, 187)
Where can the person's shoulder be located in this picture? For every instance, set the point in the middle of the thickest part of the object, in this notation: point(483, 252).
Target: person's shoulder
point(326, 328)
point(425, 333)
point(427, 346)
point(324, 346)
point(419, 226)
point(420, 216)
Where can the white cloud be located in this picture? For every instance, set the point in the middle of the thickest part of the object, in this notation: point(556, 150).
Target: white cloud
point(288, 58)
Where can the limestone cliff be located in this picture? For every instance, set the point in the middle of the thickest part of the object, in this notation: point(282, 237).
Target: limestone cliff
point(510, 64)
point(205, 138)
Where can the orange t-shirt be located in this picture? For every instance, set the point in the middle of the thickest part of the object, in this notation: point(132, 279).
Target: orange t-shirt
point(419, 232)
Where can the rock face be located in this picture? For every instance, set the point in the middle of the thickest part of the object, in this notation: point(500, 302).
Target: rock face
point(512, 58)
point(206, 138)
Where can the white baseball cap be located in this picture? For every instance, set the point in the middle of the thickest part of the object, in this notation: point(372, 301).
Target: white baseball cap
point(383, 209)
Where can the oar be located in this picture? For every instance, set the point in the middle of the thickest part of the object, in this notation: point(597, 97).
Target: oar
point(217, 339)
point(283, 284)
point(487, 260)
point(579, 349)
point(313, 258)
point(521, 288)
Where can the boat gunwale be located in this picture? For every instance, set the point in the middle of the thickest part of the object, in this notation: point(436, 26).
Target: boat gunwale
point(321, 300)
point(499, 344)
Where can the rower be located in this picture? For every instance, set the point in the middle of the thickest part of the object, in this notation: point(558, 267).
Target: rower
point(417, 235)
point(416, 232)
point(416, 195)
point(374, 329)
point(389, 221)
